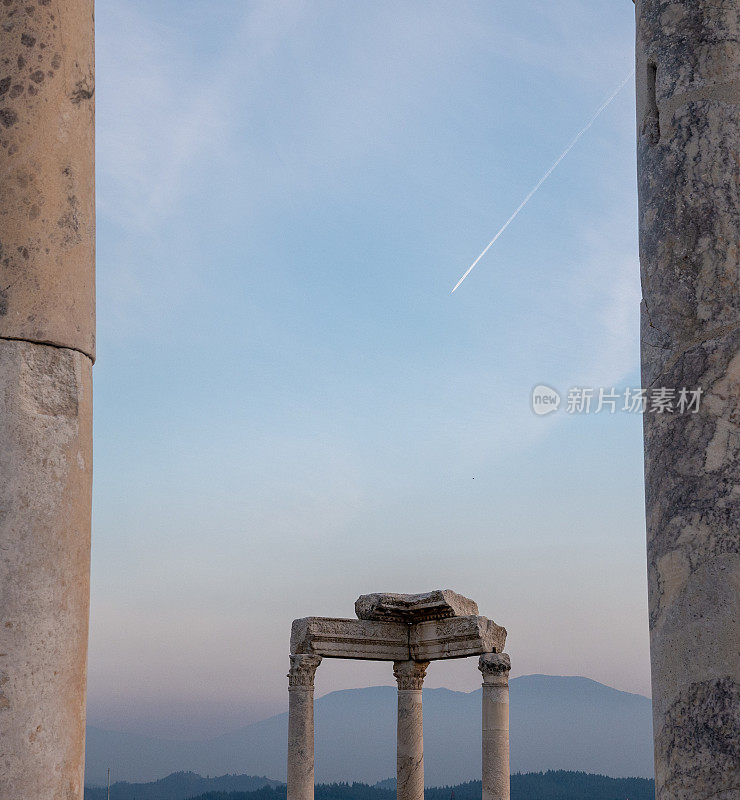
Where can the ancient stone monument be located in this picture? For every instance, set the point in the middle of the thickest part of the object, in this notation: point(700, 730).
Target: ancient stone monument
point(47, 347)
point(410, 630)
point(688, 119)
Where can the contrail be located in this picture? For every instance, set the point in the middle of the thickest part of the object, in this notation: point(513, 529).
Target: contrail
point(549, 172)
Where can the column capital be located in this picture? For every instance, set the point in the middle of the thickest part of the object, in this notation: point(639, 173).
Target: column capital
point(410, 674)
point(495, 668)
point(302, 670)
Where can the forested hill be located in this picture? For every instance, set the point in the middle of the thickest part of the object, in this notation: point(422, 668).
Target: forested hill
point(554, 785)
point(183, 785)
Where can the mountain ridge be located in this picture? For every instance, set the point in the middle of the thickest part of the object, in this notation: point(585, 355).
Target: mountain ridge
point(557, 722)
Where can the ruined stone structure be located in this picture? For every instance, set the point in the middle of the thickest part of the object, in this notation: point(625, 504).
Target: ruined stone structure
point(410, 631)
point(688, 96)
point(47, 347)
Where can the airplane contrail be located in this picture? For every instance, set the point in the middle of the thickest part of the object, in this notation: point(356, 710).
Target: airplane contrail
point(549, 172)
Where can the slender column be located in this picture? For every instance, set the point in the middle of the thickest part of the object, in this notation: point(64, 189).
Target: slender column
point(688, 115)
point(300, 726)
point(47, 346)
point(496, 774)
point(410, 732)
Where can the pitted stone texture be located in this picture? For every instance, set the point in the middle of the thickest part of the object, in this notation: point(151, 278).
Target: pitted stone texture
point(703, 719)
point(47, 211)
point(457, 637)
point(411, 608)
point(45, 486)
point(688, 117)
point(688, 82)
point(350, 638)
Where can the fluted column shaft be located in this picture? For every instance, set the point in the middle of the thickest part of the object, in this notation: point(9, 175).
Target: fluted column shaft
point(300, 726)
point(410, 731)
point(495, 736)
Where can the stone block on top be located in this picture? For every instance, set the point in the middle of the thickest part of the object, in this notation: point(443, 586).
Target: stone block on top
point(414, 608)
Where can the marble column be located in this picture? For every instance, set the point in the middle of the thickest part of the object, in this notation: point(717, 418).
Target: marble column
point(410, 731)
point(47, 346)
point(495, 736)
point(300, 726)
point(688, 121)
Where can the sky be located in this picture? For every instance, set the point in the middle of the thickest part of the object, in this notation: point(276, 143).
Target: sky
point(291, 407)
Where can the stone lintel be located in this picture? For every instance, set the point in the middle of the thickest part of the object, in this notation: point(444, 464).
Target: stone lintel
point(350, 638)
point(457, 637)
point(413, 608)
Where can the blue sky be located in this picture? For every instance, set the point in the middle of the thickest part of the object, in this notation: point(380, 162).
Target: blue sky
point(291, 408)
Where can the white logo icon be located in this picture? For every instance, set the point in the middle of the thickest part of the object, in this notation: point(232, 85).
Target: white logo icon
point(545, 400)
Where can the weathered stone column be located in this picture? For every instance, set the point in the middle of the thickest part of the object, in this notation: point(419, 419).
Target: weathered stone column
point(410, 731)
point(495, 736)
point(300, 726)
point(688, 95)
point(47, 345)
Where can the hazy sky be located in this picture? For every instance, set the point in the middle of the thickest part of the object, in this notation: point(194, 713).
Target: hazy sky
point(291, 408)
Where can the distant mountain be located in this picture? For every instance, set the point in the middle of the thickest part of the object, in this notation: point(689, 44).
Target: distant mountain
point(556, 723)
point(178, 786)
point(530, 786)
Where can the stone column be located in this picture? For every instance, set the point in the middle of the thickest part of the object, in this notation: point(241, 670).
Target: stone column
point(300, 726)
point(495, 774)
point(410, 732)
point(47, 346)
point(688, 95)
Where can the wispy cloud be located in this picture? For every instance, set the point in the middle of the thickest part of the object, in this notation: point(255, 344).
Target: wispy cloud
point(164, 109)
point(263, 101)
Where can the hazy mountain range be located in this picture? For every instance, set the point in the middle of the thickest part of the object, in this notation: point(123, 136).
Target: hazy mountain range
point(565, 723)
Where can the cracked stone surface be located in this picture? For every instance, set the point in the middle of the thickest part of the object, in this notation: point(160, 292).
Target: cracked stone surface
point(45, 464)
point(47, 344)
point(47, 210)
point(688, 82)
